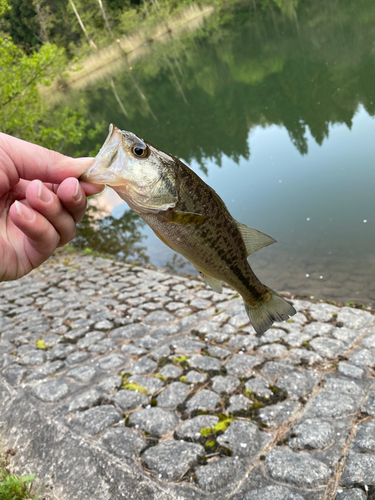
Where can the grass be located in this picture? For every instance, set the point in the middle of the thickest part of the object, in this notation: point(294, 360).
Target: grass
point(13, 486)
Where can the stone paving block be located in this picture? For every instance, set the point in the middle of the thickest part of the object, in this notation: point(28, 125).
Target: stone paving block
point(246, 341)
point(219, 352)
point(122, 442)
point(354, 318)
point(92, 397)
point(305, 356)
point(110, 383)
point(318, 329)
point(328, 347)
point(241, 365)
point(349, 370)
point(113, 361)
point(343, 386)
point(332, 404)
point(346, 335)
point(133, 350)
point(172, 459)
point(193, 377)
point(369, 404)
point(143, 366)
point(238, 403)
point(272, 350)
point(352, 494)
point(132, 331)
point(173, 395)
point(224, 385)
point(205, 363)
point(151, 384)
point(61, 351)
point(363, 357)
point(259, 386)
point(244, 438)
point(203, 400)
point(296, 469)
point(83, 374)
point(159, 318)
point(273, 493)
point(78, 357)
point(359, 469)
point(155, 421)
point(219, 474)
point(298, 384)
point(52, 391)
point(278, 414)
point(187, 346)
point(191, 428)
point(323, 312)
point(129, 400)
point(16, 374)
point(95, 419)
point(312, 434)
point(364, 439)
point(170, 371)
point(277, 368)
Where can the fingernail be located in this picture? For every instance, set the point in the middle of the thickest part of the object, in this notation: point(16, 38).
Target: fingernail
point(44, 194)
point(23, 211)
point(77, 194)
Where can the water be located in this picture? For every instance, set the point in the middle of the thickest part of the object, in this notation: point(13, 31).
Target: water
point(275, 110)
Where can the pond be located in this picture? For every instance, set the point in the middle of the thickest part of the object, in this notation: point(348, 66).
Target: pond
point(274, 108)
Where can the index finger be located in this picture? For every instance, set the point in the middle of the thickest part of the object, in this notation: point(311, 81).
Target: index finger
point(35, 162)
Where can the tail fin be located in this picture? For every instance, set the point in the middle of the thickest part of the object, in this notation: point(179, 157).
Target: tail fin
point(275, 308)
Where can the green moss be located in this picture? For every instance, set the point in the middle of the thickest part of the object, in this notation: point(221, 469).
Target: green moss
point(183, 379)
point(305, 342)
point(223, 425)
point(210, 444)
point(132, 386)
point(206, 431)
point(40, 344)
point(159, 375)
point(180, 359)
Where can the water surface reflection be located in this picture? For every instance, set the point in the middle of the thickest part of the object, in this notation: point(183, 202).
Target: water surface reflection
point(276, 113)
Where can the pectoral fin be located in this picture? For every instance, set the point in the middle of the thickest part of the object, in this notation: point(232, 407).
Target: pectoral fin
point(254, 240)
point(185, 218)
point(212, 282)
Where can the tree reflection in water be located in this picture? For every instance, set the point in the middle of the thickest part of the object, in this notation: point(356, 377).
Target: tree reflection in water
point(120, 237)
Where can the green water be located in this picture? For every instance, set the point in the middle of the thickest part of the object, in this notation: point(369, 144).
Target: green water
point(274, 108)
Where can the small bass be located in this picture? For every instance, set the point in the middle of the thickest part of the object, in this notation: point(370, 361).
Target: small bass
point(189, 217)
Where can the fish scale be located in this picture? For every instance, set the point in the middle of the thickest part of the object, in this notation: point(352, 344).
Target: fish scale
point(189, 217)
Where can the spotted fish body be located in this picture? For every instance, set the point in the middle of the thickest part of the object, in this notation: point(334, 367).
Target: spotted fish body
point(189, 217)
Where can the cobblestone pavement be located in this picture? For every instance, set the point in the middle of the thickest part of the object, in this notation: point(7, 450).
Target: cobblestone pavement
point(119, 382)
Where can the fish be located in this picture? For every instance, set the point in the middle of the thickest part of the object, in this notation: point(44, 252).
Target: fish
point(190, 218)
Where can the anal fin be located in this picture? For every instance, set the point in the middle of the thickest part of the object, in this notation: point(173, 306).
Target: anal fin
point(214, 283)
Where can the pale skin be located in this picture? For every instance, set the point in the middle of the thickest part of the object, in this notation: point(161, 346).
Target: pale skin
point(41, 201)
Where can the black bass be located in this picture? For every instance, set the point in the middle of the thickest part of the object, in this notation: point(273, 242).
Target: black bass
point(189, 217)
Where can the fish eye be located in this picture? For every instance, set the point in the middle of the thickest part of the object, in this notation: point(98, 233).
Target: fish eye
point(140, 150)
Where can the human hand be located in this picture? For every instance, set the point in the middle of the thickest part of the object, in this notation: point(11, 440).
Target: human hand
point(41, 200)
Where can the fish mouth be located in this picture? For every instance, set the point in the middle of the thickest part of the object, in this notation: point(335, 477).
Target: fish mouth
point(100, 171)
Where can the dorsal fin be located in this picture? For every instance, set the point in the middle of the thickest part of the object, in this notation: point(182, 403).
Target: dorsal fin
point(254, 240)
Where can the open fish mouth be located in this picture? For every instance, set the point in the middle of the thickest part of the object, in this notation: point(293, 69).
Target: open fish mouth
point(103, 170)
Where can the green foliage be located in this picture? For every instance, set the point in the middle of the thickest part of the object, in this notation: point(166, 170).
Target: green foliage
point(40, 344)
point(181, 360)
point(12, 486)
point(24, 111)
point(183, 379)
point(4, 7)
